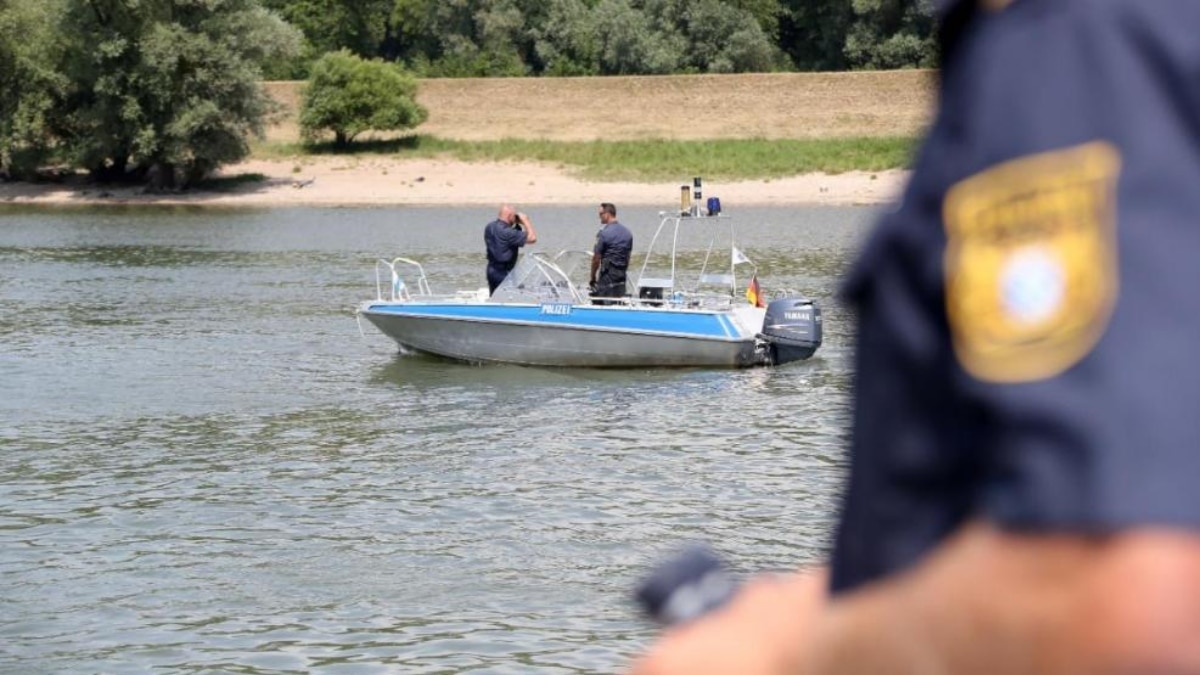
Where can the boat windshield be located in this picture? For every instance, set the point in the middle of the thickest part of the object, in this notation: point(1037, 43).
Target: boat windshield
point(538, 278)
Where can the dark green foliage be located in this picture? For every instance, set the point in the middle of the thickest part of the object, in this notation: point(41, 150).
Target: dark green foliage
point(167, 89)
point(723, 39)
point(361, 26)
point(30, 86)
point(813, 33)
point(348, 95)
point(170, 88)
point(889, 34)
point(632, 44)
point(465, 38)
point(490, 38)
point(568, 40)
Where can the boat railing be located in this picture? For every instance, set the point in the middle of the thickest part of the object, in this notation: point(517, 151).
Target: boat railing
point(558, 279)
point(783, 292)
point(661, 281)
point(724, 280)
point(574, 264)
point(702, 299)
point(398, 290)
point(714, 290)
point(538, 278)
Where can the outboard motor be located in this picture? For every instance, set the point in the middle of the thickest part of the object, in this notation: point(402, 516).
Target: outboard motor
point(791, 330)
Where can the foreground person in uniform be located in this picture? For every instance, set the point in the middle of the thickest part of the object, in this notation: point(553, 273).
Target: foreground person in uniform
point(504, 238)
point(1024, 463)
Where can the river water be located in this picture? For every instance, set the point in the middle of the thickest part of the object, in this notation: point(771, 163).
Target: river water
point(205, 467)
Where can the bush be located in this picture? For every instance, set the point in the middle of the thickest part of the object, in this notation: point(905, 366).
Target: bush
point(348, 95)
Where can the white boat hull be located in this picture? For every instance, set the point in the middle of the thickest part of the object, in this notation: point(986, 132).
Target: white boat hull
point(571, 335)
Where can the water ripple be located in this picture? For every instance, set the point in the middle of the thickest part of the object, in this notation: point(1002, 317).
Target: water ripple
point(205, 468)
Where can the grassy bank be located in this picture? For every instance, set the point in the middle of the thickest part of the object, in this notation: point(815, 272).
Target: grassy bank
point(651, 160)
point(728, 127)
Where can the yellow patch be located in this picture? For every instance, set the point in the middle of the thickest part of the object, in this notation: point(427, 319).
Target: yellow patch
point(1031, 262)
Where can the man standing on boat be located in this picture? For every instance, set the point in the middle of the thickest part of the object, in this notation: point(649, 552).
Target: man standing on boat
point(503, 237)
point(610, 257)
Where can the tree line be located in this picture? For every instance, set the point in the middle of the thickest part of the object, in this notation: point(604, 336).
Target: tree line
point(157, 90)
point(166, 91)
point(488, 38)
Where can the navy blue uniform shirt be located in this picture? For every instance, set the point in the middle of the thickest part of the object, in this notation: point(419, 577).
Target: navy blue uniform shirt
point(1030, 315)
point(502, 241)
point(614, 243)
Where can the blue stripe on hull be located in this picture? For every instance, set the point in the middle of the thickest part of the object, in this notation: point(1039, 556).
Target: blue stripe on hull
point(649, 321)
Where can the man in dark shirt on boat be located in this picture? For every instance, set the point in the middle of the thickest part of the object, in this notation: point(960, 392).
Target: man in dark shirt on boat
point(610, 256)
point(503, 237)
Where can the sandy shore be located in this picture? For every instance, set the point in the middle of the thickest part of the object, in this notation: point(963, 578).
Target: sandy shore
point(379, 181)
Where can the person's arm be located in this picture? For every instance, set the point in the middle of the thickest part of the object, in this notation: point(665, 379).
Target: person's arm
point(527, 224)
point(991, 601)
point(987, 601)
point(597, 255)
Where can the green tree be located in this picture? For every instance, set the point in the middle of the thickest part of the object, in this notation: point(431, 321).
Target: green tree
point(464, 38)
point(723, 38)
point(362, 26)
point(692, 36)
point(29, 84)
point(349, 95)
point(632, 43)
point(488, 38)
point(766, 12)
point(357, 25)
point(567, 42)
point(412, 22)
point(164, 88)
point(889, 34)
point(813, 33)
point(858, 34)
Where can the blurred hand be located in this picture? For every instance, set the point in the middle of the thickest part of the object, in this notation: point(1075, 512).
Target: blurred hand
point(766, 629)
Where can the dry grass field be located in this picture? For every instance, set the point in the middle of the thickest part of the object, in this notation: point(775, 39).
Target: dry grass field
point(769, 106)
point(695, 107)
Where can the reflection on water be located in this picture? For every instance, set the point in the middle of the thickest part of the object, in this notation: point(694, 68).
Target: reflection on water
point(205, 467)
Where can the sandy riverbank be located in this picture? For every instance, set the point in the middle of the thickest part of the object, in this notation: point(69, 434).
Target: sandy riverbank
point(770, 105)
point(379, 181)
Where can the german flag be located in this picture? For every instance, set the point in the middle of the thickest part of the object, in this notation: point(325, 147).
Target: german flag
point(754, 292)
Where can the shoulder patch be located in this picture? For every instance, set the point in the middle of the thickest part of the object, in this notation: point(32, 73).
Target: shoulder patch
point(1031, 262)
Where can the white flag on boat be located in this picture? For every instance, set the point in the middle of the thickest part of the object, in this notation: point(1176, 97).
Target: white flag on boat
point(739, 257)
point(397, 286)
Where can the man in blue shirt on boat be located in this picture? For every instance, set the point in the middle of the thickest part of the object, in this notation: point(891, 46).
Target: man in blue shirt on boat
point(610, 256)
point(504, 237)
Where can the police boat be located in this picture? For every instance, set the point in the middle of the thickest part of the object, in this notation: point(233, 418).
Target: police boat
point(541, 315)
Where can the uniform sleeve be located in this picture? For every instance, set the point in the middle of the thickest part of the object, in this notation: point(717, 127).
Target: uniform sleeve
point(1027, 319)
point(914, 468)
point(1084, 141)
point(515, 236)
